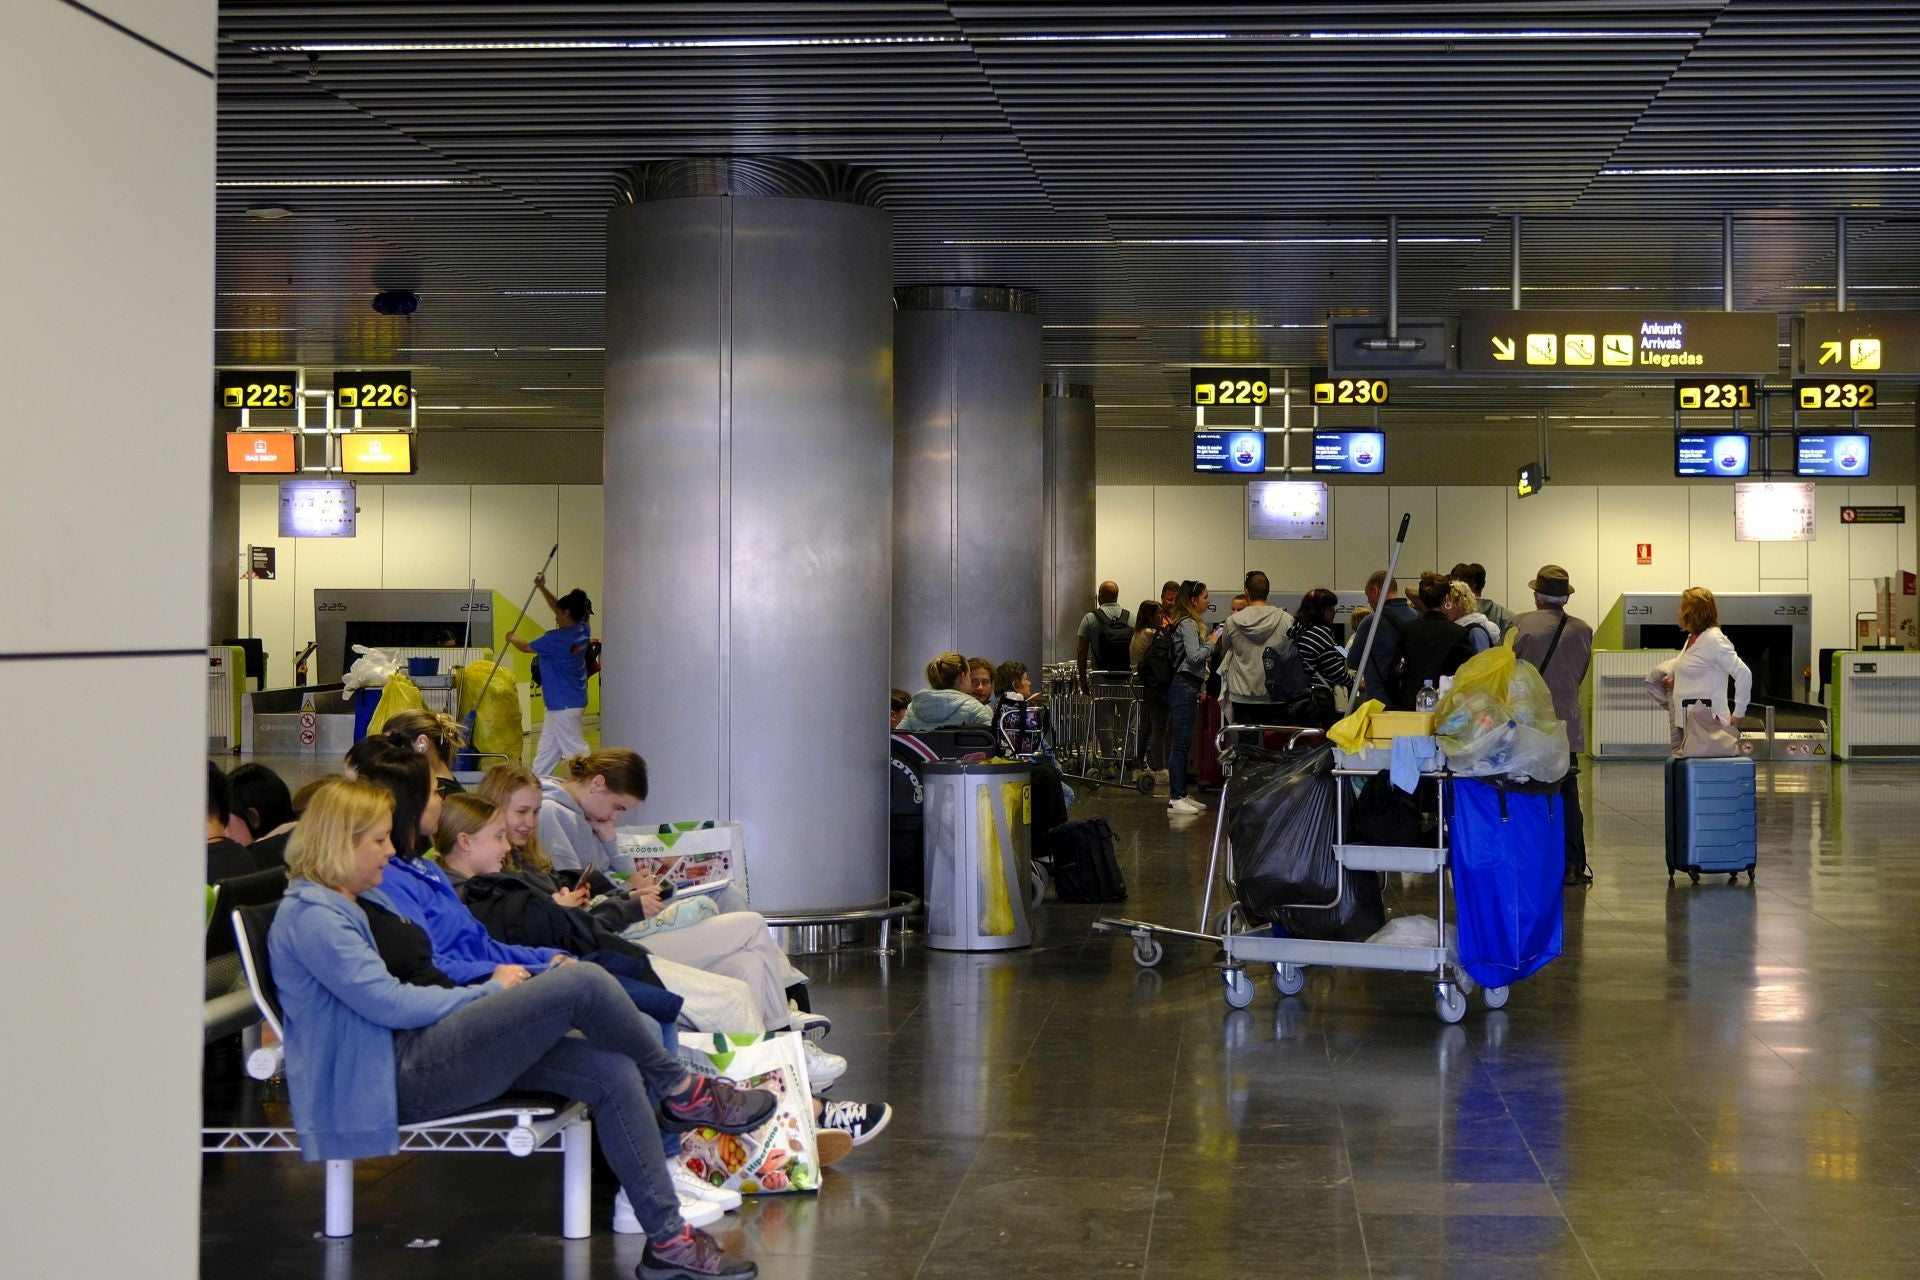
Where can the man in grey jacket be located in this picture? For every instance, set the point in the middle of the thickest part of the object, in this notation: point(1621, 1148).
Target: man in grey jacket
point(1243, 673)
point(1561, 646)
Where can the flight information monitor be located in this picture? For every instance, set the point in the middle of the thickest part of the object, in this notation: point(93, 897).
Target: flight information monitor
point(1350, 452)
point(1238, 452)
point(1825, 455)
point(1722, 455)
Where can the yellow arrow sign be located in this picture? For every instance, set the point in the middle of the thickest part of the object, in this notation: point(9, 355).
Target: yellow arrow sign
point(1503, 348)
point(1829, 353)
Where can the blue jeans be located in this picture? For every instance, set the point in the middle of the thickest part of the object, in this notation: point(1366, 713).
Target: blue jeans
point(1183, 704)
point(651, 1001)
point(519, 1039)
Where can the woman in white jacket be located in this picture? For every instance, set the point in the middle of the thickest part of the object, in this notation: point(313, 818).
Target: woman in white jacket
point(1701, 670)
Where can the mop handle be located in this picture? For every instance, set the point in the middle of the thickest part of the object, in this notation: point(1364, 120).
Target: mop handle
point(495, 670)
point(1393, 562)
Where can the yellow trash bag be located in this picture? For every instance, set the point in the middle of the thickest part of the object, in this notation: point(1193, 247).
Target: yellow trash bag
point(1498, 718)
point(400, 694)
point(996, 902)
point(1350, 734)
point(497, 730)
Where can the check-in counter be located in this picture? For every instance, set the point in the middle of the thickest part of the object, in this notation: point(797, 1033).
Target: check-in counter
point(1874, 695)
point(1626, 723)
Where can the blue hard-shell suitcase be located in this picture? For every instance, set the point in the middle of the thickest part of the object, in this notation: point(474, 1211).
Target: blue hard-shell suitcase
point(1711, 824)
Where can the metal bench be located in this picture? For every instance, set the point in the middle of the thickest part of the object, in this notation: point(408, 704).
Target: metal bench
point(518, 1125)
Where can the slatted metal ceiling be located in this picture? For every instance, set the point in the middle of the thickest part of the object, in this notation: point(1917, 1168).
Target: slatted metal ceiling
point(1182, 184)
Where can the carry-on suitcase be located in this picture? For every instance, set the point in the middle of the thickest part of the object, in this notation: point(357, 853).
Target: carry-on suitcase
point(1206, 744)
point(1711, 824)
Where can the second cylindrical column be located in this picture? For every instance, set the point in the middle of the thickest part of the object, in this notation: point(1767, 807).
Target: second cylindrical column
point(969, 530)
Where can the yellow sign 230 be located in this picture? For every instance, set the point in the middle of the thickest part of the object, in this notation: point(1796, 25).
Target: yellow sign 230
point(1350, 391)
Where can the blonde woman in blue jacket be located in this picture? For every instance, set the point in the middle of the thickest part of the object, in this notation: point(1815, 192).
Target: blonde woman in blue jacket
point(1192, 648)
point(367, 1053)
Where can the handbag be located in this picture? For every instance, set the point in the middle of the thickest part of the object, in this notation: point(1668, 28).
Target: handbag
point(1705, 737)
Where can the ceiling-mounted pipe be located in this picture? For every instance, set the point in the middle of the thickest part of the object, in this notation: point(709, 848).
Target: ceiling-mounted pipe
point(1726, 262)
point(1546, 456)
point(1840, 262)
point(1393, 341)
point(1513, 294)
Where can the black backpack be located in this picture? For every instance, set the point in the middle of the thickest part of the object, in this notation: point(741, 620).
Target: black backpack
point(1156, 661)
point(1286, 671)
point(1084, 868)
point(1112, 640)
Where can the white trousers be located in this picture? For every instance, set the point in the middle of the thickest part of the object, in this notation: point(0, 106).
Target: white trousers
point(560, 737)
point(735, 945)
point(710, 1002)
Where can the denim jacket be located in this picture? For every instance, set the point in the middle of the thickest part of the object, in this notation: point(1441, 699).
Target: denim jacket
point(342, 1008)
point(462, 947)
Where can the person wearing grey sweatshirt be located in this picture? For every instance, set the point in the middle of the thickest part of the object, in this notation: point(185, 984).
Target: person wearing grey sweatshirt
point(1244, 640)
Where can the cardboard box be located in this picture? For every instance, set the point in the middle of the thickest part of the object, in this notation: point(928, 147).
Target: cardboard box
point(1388, 725)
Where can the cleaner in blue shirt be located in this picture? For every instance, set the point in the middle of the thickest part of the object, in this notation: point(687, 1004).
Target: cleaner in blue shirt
point(563, 675)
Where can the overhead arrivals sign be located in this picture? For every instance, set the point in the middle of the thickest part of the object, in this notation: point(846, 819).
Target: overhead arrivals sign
point(1840, 342)
point(1619, 342)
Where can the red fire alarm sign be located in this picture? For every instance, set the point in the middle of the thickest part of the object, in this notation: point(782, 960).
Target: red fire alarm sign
point(1643, 552)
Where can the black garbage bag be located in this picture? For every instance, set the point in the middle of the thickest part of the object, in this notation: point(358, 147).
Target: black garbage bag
point(1280, 829)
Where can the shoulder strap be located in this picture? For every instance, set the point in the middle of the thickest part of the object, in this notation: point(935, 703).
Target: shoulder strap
point(1553, 643)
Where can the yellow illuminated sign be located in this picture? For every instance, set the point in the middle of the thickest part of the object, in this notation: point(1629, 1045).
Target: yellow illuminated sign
point(1228, 386)
point(253, 389)
point(1616, 349)
point(376, 453)
point(1834, 393)
point(1350, 391)
point(1863, 353)
point(1579, 348)
point(1543, 348)
point(1689, 395)
point(380, 389)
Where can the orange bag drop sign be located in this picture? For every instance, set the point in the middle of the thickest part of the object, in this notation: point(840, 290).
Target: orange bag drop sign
point(262, 453)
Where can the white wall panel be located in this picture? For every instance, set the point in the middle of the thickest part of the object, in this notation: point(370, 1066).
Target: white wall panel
point(581, 545)
point(1123, 543)
point(1716, 561)
point(1872, 549)
point(1559, 526)
point(1363, 535)
point(273, 602)
point(1200, 532)
point(1421, 502)
point(428, 537)
point(325, 563)
point(1472, 523)
point(1292, 567)
point(1783, 560)
point(1827, 572)
point(1628, 516)
point(514, 526)
point(108, 223)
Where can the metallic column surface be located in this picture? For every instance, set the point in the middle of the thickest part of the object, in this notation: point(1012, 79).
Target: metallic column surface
point(748, 515)
point(969, 521)
point(225, 618)
point(1067, 441)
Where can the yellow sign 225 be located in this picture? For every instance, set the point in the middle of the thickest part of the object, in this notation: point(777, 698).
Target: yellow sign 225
point(1350, 391)
point(257, 395)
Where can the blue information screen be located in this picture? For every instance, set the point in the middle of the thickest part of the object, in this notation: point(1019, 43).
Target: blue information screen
point(1830, 455)
point(1730, 455)
point(1239, 452)
point(1350, 452)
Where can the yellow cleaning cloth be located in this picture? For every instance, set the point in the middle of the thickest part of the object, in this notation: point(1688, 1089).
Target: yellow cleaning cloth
point(1350, 734)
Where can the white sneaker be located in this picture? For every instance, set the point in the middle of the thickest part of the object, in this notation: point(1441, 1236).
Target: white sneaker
point(823, 1068)
point(689, 1187)
point(695, 1213)
point(814, 1026)
point(1183, 805)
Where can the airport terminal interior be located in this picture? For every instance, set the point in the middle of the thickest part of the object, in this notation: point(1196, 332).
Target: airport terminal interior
point(519, 387)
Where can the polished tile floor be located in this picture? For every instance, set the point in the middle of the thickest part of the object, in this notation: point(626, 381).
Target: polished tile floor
point(1713, 1081)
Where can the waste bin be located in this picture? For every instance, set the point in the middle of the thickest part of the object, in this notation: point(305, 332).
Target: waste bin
point(978, 855)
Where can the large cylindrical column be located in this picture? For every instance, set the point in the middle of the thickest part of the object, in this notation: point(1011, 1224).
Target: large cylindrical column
point(969, 524)
point(1067, 418)
point(748, 513)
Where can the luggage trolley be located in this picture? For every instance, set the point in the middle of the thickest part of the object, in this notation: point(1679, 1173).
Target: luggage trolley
point(1097, 732)
point(1148, 950)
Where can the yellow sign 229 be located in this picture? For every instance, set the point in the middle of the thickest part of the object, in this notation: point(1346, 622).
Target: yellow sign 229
point(385, 389)
point(1350, 391)
point(1231, 391)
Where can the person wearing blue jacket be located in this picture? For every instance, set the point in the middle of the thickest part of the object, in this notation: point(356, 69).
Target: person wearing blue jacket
point(367, 1053)
point(1192, 648)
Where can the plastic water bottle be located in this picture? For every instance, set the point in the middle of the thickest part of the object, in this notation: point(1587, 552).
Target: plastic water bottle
point(1427, 699)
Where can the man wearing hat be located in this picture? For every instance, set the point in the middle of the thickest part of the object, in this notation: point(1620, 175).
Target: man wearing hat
point(1561, 646)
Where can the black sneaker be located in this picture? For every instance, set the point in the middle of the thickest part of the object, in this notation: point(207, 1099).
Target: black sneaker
point(714, 1104)
point(1578, 876)
point(691, 1256)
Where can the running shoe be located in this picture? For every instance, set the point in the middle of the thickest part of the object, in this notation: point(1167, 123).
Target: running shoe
point(714, 1104)
point(692, 1256)
point(695, 1213)
point(862, 1121)
point(823, 1068)
point(687, 1184)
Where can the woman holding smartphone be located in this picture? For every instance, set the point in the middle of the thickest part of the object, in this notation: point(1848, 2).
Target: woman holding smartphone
point(367, 1053)
point(1191, 650)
